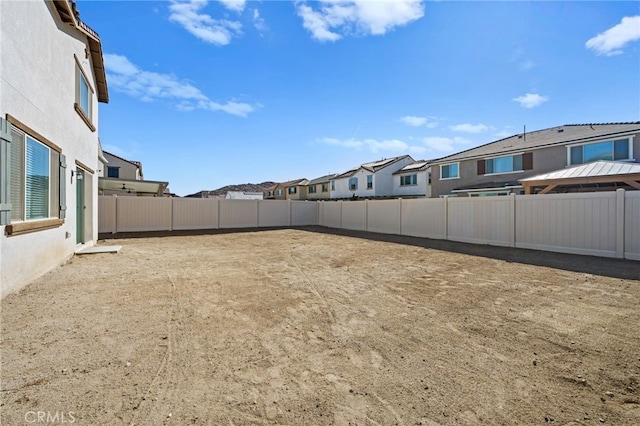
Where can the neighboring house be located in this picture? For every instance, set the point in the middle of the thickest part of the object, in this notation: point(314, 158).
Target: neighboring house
point(320, 188)
point(369, 180)
point(51, 80)
point(119, 168)
point(295, 189)
point(413, 180)
point(124, 177)
point(496, 168)
point(291, 190)
point(243, 195)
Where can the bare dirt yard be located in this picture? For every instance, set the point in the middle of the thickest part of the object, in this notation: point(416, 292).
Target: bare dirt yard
point(318, 327)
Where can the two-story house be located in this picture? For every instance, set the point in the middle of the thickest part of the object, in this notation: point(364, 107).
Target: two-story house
point(413, 180)
point(320, 188)
point(290, 190)
point(369, 180)
point(120, 176)
point(497, 167)
point(51, 79)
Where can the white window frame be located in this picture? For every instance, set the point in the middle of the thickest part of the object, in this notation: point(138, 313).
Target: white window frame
point(312, 189)
point(353, 187)
point(369, 181)
point(612, 140)
point(87, 116)
point(447, 165)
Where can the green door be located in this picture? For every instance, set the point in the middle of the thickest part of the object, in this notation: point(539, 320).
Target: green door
point(80, 207)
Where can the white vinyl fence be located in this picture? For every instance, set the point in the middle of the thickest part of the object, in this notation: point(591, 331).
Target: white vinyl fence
point(135, 214)
point(599, 223)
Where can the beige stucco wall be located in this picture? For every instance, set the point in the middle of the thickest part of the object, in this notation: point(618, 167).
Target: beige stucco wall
point(37, 87)
point(319, 195)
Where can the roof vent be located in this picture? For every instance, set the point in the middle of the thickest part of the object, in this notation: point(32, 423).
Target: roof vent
point(560, 130)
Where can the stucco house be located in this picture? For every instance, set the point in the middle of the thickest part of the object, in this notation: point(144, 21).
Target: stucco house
point(51, 80)
point(120, 176)
point(497, 167)
point(369, 180)
point(320, 188)
point(413, 180)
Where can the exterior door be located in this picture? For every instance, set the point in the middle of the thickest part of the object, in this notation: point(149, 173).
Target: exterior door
point(80, 206)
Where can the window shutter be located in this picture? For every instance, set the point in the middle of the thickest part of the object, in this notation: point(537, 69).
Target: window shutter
point(63, 186)
point(5, 172)
point(481, 167)
point(527, 161)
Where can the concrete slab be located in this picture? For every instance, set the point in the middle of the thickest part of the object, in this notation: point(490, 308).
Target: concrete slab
point(99, 249)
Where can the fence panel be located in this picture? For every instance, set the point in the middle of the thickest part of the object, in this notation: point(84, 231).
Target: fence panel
point(425, 218)
point(383, 216)
point(632, 225)
point(354, 215)
point(486, 220)
point(568, 223)
point(195, 213)
point(238, 214)
point(106, 214)
point(304, 213)
point(274, 213)
point(332, 214)
point(135, 214)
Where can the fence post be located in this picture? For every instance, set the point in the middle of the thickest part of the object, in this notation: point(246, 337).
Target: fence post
point(512, 208)
point(620, 223)
point(446, 218)
point(115, 214)
point(400, 215)
point(366, 215)
point(340, 213)
point(171, 216)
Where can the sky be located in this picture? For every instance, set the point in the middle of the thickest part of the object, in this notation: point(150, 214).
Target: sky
point(212, 93)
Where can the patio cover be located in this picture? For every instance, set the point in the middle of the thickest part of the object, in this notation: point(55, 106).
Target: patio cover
point(109, 186)
point(599, 175)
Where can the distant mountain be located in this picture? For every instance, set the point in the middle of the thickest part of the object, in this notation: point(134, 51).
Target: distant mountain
point(221, 192)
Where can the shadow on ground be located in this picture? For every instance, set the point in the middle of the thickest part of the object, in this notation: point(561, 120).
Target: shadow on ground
point(615, 268)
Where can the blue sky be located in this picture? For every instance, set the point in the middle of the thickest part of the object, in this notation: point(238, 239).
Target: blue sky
point(210, 93)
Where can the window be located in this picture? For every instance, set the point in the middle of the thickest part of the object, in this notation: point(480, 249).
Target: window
point(449, 171)
point(292, 190)
point(84, 95)
point(408, 180)
point(325, 187)
point(333, 185)
point(353, 184)
point(369, 181)
point(279, 191)
point(312, 189)
point(509, 163)
point(608, 150)
point(113, 172)
point(36, 180)
point(270, 194)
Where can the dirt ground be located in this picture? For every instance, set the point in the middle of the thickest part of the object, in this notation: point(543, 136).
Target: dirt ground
point(316, 327)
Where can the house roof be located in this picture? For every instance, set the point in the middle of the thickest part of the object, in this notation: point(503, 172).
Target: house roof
point(418, 166)
point(559, 135)
point(135, 163)
point(373, 166)
point(294, 182)
point(589, 170)
point(322, 179)
point(69, 14)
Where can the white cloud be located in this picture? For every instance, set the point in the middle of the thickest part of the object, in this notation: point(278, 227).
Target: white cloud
point(123, 76)
point(258, 21)
point(611, 41)
point(235, 5)
point(373, 145)
point(531, 100)
point(470, 128)
point(443, 144)
point(330, 20)
point(414, 121)
point(204, 27)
